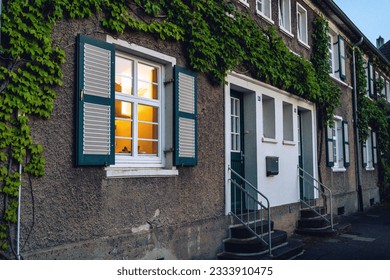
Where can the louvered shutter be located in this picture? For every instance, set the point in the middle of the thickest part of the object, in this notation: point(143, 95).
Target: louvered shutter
point(329, 147)
point(346, 144)
point(342, 58)
point(374, 149)
point(95, 102)
point(364, 153)
point(185, 118)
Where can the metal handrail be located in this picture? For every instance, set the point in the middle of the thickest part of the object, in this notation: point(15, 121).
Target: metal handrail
point(322, 192)
point(258, 204)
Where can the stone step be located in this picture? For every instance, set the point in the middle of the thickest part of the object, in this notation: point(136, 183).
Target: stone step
point(314, 222)
point(326, 231)
point(285, 251)
point(241, 231)
point(254, 244)
point(309, 213)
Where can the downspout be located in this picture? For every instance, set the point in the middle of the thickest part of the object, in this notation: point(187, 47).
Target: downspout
point(18, 223)
point(356, 131)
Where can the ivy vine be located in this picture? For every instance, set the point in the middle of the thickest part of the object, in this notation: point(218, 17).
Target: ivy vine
point(373, 112)
point(215, 37)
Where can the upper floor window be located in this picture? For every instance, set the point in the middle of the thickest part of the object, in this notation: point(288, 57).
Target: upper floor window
point(370, 79)
point(337, 136)
point(263, 7)
point(285, 15)
point(337, 56)
point(383, 89)
point(302, 24)
point(387, 86)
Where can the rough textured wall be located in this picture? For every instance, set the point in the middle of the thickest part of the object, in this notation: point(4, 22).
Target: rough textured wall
point(79, 205)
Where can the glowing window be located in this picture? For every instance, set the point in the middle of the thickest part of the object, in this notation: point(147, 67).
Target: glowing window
point(137, 110)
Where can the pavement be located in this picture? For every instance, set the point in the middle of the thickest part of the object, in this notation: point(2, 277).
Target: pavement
point(368, 239)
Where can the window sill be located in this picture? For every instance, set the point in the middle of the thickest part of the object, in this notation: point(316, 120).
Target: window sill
point(370, 169)
point(304, 44)
point(338, 80)
point(288, 143)
point(131, 172)
point(285, 31)
point(339, 169)
point(244, 3)
point(269, 140)
point(263, 16)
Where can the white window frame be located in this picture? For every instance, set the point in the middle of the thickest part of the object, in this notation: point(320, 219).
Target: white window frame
point(338, 152)
point(137, 158)
point(337, 70)
point(264, 9)
point(269, 118)
point(331, 54)
point(302, 28)
point(383, 92)
point(164, 168)
point(288, 124)
point(338, 146)
point(369, 152)
point(235, 119)
point(366, 67)
point(387, 91)
point(284, 12)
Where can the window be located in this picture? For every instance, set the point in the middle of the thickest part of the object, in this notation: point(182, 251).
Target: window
point(337, 56)
point(285, 15)
point(338, 155)
point(330, 54)
point(121, 117)
point(288, 129)
point(302, 24)
point(138, 110)
point(388, 91)
point(370, 79)
point(383, 89)
point(263, 7)
point(235, 120)
point(369, 153)
point(269, 117)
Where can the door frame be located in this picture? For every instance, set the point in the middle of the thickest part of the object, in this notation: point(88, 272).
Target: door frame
point(247, 90)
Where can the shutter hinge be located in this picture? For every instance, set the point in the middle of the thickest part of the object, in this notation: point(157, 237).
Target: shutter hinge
point(169, 81)
point(170, 150)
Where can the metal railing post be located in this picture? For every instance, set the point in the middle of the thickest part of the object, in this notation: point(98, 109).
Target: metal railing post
point(258, 205)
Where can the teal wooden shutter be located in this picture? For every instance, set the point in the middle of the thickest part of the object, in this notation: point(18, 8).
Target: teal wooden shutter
point(95, 102)
point(346, 144)
point(374, 148)
point(329, 146)
point(364, 154)
point(185, 118)
point(342, 58)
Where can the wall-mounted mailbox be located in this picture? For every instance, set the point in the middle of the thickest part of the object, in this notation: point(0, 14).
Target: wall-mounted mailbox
point(272, 166)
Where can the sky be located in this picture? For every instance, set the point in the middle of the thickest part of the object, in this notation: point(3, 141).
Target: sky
point(372, 17)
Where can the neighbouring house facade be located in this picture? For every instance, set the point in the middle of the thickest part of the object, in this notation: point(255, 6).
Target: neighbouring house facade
point(140, 148)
